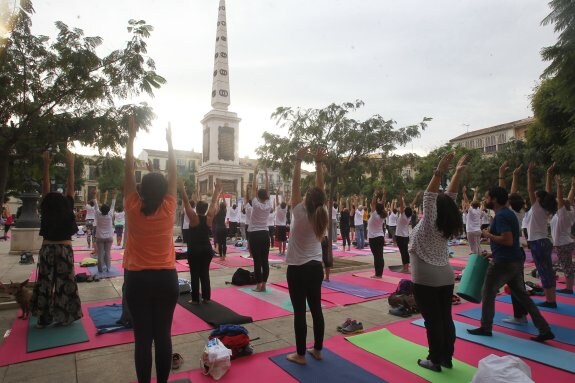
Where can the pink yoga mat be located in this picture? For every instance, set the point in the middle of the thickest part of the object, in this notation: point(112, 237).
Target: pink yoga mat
point(182, 266)
point(115, 255)
point(233, 261)
point(245, 304)
point(13, 350)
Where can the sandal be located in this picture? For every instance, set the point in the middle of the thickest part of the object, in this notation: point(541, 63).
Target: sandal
point(177, 361)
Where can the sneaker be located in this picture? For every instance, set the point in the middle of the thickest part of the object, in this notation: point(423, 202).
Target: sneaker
point(542, 337)
point(400, 312)
point(428, 364)
point(353, 328)
point(565, 291)
point(344, 324)
point(480, 331)
point(514, 320)
point(550, 305)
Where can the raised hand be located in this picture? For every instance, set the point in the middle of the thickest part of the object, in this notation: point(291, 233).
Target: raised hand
point(551, 169)
point(504, 167)
point(532, 166)
point(300, 154)
point(517, 170)
point(557, 179)
point(320, 154)
point(149, 166)
point(462, 163)
point(444, 163)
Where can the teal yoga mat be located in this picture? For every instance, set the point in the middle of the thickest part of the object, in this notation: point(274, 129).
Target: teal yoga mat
point(54, 336)
point(472, 279)
point(562, 308)
point(273, 296)
point(537, 352)
point(562, 334)
point(332, 368)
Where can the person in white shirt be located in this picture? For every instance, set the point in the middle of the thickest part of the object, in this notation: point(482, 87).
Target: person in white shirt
point(543, 205)
point(334, 221)
point(105, 233)
point(402, 232)
point(90, 217)
point(304, 258)
point(473, 224)
point(375, 233)
point(561, 225)
point(259, 240)
point(272, 225)
point(243, 224)
point(281, 225)
point(119, 222)
point(358, 221)
point(392, 221)
point(234, 219)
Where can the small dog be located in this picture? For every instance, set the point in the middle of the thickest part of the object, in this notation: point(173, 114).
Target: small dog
point(22, 295)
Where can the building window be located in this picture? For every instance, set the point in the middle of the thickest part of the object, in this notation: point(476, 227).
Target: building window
point(502, 138)
point(138, 176)
point(490, 149)
point(91, 173)
point(156, 163)
point(192, 165)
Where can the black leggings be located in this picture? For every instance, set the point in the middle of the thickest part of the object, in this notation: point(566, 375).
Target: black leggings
point(345, 235)
point(151, 296)
point(200, 274)
point(221, 240)
point(260, 250)
point(403, 244)
point(304, 283)
point(376, 246)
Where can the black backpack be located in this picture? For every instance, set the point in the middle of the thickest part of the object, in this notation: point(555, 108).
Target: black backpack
point(243, 277)
point(26, 258)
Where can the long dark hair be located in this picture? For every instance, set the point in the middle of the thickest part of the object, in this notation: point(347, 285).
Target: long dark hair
point(153, 189)
point(448, 218)
point(263, 195)
point(408, 212)
point(314, 203)
point(547, 201)
point(380, 210)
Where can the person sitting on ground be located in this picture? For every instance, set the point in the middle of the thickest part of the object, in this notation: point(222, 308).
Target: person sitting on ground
point(506, 267)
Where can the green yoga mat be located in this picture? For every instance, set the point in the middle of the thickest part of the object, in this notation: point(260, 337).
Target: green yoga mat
point(54, 336)
point(273, 296)
point(404, 353)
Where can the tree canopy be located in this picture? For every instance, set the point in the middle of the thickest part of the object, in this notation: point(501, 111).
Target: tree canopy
point(57, 90)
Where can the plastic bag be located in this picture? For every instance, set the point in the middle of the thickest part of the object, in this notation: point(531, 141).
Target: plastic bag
point(502, 369)
point(215, 360)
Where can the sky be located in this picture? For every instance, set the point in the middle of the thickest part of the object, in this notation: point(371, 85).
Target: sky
point(466, 64)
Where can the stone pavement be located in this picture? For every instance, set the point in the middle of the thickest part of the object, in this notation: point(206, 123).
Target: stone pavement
point(115, 364)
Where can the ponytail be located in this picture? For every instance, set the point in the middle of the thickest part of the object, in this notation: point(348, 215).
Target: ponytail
point(319, 222)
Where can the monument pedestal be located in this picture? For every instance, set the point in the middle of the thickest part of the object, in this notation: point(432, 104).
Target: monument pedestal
point(25, 239)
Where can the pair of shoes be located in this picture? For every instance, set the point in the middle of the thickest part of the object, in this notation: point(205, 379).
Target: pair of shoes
point(344, 324)
point(455, 300)
point(400, 311)
point(428, 364)
point(565, 291)
point(514, 320)
point(480, 331)
point(542, 337)
point(353, 328)
point(177, 361)
point(550, 305)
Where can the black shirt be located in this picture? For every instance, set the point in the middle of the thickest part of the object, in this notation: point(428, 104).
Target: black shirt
point(199, 239)
point(59, 226)
point(344, 220)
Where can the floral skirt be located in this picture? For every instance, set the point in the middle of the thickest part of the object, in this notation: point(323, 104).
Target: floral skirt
point(55, 297)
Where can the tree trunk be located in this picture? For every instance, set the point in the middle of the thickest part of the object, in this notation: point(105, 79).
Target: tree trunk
point(4, 162)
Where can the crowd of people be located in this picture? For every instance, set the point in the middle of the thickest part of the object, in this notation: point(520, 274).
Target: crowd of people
point(420, 230)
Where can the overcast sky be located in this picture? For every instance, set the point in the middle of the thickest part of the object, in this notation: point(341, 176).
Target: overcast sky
point(459, 62)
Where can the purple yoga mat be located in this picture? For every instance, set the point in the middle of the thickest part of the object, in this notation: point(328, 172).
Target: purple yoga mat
point(355, 290)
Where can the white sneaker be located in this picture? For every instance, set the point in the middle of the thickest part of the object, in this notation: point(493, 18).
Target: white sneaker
point(513, 320)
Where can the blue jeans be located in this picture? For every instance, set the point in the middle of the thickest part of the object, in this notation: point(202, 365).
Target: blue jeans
point(359, 236)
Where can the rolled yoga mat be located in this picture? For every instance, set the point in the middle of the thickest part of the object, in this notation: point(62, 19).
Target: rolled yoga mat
point(213, 312)
point(472, 279)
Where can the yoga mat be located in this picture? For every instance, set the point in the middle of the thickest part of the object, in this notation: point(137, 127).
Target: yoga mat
point(352, 289)
point(271, 258)
point(384, 278)
point(276, 297)
point(404, 353)
point(213, 312)
point(105, 318)
point(396, 268)
point(114, 256)
point(115, 271)
point(472, 279)
point(233, 261)
point(53, 336)
point(245, 304)
point(562, 308)
point(528, 349)
point(562, 334)
point(332, 368)
point(182, 265)
point(13, 349)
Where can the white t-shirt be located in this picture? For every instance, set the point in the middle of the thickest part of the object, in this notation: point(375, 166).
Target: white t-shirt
point(525, 221)
point(260, 215)
point(464, 218)
point(120, 218)
point(242, 218)
point(485, 218)
point(303, 244)
point(281, 215)
point(358, 217)
point(333, 214)
point(186, 223)
point(249, 210)
point(375, 226)
point(90, 212)
point(537, 226)
point(561, 226)
point(234, 214)
point(474, 220)
point(392, 219)
point(105, 226)
point(272, 219)
point(402, 229)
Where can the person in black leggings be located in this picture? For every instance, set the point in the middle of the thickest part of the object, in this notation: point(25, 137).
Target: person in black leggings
point(344, 225)
point(402, 230)
point(304, 259)
point(221, 233)
point(200, 252)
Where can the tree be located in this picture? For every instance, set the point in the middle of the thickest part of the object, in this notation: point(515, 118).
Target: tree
point(53, 91)
point(348, 141)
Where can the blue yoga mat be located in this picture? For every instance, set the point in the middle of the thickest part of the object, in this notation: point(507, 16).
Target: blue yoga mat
point(538, 352)
point(355, 290)
point(113, 272)
point(562, 308)
point(333, 369)
point(562, 334)
point(105, 318)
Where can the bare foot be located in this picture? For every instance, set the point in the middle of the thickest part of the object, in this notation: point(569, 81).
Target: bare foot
point(299, 359)
point(193, 302)
point(315, 353)
point(376, 276)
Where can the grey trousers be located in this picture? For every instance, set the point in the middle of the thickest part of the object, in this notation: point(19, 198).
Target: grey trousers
point(474, 240)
